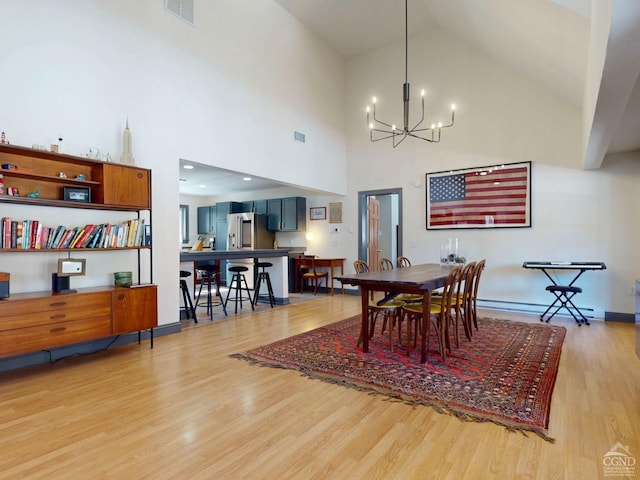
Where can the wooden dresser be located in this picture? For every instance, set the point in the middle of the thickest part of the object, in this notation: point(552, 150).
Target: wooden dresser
point(42, 320)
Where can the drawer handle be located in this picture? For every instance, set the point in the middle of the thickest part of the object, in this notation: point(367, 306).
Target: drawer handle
point(58, 329)
point(58, 304)
point(120, 297)
point(57, 317)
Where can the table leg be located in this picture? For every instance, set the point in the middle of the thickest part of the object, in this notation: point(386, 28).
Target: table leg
point(364, 297)
point(331, 268)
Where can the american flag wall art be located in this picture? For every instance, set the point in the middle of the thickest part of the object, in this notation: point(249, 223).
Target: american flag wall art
point(487, 197)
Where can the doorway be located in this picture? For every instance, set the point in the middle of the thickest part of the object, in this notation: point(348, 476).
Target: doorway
point(388, 234)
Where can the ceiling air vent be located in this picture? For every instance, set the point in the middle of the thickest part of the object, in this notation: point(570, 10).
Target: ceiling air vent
point(181, 8)
point(299, 137)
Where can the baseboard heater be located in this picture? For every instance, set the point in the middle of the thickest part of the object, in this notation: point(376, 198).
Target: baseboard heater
point(530, 308)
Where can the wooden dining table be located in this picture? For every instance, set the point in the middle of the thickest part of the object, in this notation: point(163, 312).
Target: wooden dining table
point(422, 279)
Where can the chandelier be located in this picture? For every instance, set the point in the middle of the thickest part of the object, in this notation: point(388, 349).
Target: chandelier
point(385, 130)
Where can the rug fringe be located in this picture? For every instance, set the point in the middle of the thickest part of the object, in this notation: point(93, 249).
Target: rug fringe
point(393, 397)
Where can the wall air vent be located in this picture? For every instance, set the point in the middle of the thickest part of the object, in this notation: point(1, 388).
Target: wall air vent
point(181, 8)
point(299, 137)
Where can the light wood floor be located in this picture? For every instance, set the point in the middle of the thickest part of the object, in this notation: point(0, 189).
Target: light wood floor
point(184, 410)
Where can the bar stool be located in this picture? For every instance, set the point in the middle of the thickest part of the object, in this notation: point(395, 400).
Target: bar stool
point(260, 277)
point(186, 296)
point(209, 275)
point(236, 284)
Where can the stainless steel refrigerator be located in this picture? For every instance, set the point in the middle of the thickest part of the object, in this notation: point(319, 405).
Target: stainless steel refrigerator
point(248, 231)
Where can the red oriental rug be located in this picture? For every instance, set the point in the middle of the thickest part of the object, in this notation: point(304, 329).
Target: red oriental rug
point(505, 375)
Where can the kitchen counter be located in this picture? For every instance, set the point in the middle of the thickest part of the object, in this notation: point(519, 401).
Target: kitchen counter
point(204, 255)
point(279, 273)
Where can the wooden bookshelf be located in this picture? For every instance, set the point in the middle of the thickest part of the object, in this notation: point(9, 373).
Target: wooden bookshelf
point(33, 321)
point(113, 186)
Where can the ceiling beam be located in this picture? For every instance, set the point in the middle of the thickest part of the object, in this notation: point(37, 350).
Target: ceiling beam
point(606, 106)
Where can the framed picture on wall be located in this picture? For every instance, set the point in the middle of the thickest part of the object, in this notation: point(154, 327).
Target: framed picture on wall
point(497, 196)
point(318, 213)
point(335, 212)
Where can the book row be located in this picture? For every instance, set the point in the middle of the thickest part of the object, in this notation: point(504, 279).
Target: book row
point(33, 234)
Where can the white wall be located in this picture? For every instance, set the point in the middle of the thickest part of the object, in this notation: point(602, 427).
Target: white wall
point(228, 92)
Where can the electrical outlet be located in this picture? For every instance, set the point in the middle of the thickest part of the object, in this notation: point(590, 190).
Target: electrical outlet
point(631, 290)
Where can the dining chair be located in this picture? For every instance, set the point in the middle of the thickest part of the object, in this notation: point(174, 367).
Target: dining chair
point(403, 262)
point(360, 266)
point(309, 273)
point(390, 310)
point(460, 303)
point(385, 264)
point(439, 315)
point(473, 317)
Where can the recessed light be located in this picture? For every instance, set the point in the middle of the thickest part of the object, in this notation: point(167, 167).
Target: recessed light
point(188, 167)
point(246, 179)
point(202, 186)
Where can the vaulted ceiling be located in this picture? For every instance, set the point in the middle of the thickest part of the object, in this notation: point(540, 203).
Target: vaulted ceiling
point(584, 51)
point(560, 44)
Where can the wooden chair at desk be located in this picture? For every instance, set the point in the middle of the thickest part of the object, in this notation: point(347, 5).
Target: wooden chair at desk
point(298, 282)
point(308, 272)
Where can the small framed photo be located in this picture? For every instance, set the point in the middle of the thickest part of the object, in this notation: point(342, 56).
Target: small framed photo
point(318, 213)
point(77, 194)
point(335, 212)
point(71, 266)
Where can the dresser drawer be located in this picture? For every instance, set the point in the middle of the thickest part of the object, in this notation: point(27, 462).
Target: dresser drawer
point(43, 337)
point(43, 311)
point(52, 303)
point(32, 319)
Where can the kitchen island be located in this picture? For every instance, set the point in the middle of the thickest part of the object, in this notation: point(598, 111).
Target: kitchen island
point(278, 273)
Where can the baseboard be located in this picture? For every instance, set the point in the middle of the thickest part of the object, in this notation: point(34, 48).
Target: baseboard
point(619, 317)
point(86, 348)
point(534, 308)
